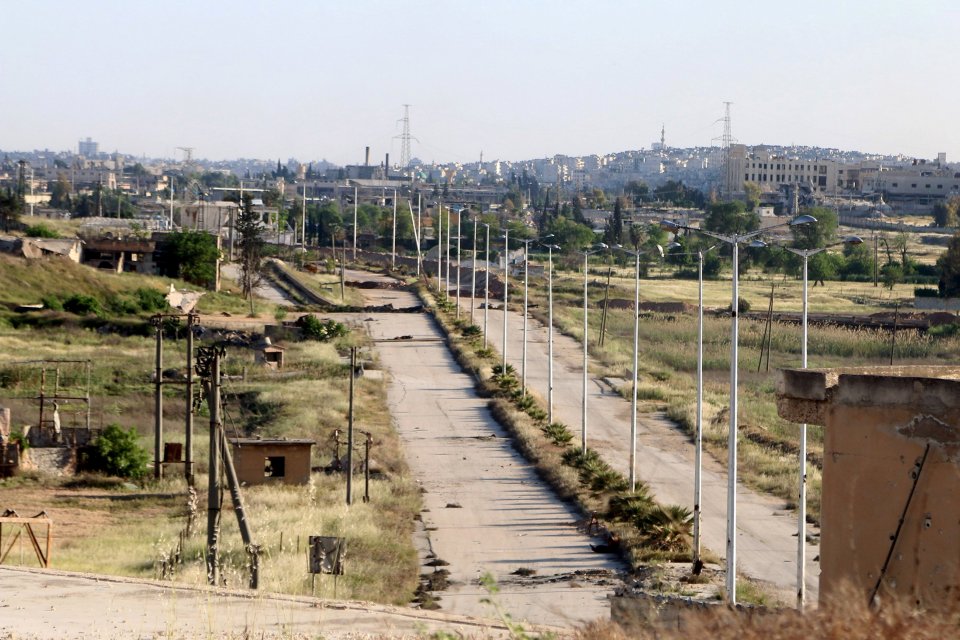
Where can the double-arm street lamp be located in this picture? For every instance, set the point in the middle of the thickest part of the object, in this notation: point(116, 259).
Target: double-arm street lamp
point(550, 248)
point(586, 330)
point(486, 285)
point(698, 434)
point(473, 270)
point(526, 273)
point(802, 495)
point(734, 240)
point(506, 278)
point(636, 360)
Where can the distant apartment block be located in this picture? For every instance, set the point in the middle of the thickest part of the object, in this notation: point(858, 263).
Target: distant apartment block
point(771, 171)
point(89, 148)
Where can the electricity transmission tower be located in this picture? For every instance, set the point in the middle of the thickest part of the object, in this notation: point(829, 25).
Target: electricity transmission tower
point(405, 138)
point(725, 141)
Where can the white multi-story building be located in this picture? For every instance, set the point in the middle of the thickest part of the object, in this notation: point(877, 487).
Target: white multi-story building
point(772, 171)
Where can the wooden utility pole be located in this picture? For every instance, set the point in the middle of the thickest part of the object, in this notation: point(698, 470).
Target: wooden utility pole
point(210, 360)
point(353, 368)
point(188, 425)
point(158, 400)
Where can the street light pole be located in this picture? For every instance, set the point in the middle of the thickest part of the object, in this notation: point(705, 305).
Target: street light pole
point(486, 286)
point(440, 250)
point(473, 272)
point(636, 363)
point(550, 335)
point(393, 248)
point(802, 494)
point(458, 268)
point(449, 228)
point(506, 277)
point(698, 435)
point(583, 416)
point(523, 360)
point(734, 241)
point(356, 194)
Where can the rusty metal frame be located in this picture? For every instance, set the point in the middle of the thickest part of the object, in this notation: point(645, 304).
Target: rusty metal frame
point(26, 524)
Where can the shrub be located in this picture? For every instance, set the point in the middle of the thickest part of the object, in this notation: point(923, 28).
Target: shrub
point(666, 528)
point(40, 230)
point(926, 292)
point(150, 299)
point(121, 306)
point(558, 432)
point(52, 302)
point(118, 453)
point(82, 305)
point(320, 330)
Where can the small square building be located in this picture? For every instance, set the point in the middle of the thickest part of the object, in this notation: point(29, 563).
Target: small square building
point(259, 461)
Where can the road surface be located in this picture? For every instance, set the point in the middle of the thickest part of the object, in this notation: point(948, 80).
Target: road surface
point(486, 511)
point(37, 603)
point(766, 529)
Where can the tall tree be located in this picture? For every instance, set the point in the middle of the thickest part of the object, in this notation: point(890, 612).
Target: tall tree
point(614, 231)
point(945, 214)
point(817, 234)
point(10, 207)
point(949, 265)
point(251, 243)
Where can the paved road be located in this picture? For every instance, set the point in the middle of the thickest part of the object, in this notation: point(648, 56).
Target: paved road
point(485, 508)
point(766, 531)
point(58, 605)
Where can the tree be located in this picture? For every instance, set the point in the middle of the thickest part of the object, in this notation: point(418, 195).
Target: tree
point(816, 234)
point(613, 234)
point(60, 193)
point(251, 243)
point(569, 234)
point(949, 265)
point(10, 207)
point(752, 193)
point(822, 266)
point(729, 218)
point(118, 453)
point(192, 256)
point(945, 214)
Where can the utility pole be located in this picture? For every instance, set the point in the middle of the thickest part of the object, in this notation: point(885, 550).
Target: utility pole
point(158, 398)
point(188, 437)
point(209, 366)
point(353, 369)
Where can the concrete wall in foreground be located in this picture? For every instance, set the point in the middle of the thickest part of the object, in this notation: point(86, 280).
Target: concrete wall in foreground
point(891, 451)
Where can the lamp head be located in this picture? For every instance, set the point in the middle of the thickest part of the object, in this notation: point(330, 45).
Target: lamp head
point(674, 245)
point(804, 219)
point(853, 240)
point(757, 244)
point(660, 250)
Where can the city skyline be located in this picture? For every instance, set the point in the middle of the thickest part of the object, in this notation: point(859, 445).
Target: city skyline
point(511, 81)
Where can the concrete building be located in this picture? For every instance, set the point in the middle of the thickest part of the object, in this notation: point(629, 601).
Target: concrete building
point(772, 171)
point(271, 461)
point(890, 519)
point(88, 148)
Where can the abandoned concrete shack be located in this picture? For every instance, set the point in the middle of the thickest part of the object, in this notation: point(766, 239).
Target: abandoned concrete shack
point(263, 461)
point(891, 473)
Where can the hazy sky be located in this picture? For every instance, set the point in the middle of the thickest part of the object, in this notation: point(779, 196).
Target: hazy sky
point(513, 79)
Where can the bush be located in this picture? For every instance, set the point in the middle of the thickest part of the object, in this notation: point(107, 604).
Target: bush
point(52, 302)
point(40, 230)
point(118, 453)
point(150, 300)
point(320, 330)
point(82, 305)
point(926, 292)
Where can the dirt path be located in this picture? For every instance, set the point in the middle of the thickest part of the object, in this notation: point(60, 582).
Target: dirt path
point(766, 531)
point(485, 508)
point(59, 605)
